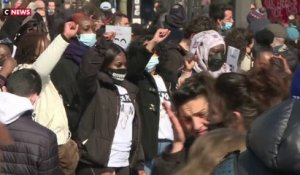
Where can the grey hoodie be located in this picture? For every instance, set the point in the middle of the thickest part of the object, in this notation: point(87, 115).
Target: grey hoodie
point(12, 107)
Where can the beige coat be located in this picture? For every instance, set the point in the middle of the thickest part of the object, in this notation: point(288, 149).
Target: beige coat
point(49, 109)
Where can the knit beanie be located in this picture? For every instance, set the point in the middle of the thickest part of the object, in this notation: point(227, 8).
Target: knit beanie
point(257, 20)
point(176, 17)
point(293, 33)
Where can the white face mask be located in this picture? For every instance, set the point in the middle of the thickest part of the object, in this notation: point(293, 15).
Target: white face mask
point(153, 62)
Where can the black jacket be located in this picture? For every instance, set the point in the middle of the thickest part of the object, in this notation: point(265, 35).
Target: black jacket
point(171, 60)
point(272, 144)
point(100, 117)
point(34, 150)
point(148, 98)
point(64, 77)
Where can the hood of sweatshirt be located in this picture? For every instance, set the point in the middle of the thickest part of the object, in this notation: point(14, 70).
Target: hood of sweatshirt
point(12, 107)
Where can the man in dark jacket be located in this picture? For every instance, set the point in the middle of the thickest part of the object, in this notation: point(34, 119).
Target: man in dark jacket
point(64, 75)
point(34, 150)
point(272, 144)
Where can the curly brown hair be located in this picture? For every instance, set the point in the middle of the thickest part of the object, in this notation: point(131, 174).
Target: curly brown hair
point(239, 38)
point(270, 83)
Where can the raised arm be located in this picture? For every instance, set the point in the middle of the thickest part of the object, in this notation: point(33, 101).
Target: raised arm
point(49, 58)
point(90, 67)
point(141, 54)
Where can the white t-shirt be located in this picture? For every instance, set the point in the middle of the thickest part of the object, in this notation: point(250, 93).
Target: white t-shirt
point(165, 130)
point(121, 146)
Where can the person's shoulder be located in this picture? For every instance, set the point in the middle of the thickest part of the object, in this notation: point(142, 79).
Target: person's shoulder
point(25, 128)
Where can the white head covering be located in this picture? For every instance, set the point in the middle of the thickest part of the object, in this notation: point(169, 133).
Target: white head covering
point(201, 44)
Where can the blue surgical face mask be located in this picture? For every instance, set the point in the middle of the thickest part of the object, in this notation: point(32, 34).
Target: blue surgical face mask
point(153, 62)
point(227, 26)
point(88, 39)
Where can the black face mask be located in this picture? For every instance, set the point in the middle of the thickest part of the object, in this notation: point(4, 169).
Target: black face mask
point(118, 75)
point(215, 62)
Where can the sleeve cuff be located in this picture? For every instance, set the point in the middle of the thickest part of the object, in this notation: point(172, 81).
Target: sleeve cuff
point(65, 38)
point(177, 157)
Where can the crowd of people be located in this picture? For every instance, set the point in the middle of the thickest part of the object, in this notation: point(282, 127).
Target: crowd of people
point(72, 101)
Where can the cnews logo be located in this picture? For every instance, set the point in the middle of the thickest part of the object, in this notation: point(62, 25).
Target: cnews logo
point(17, 12)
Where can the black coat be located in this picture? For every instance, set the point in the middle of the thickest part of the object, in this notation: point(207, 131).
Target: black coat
point(100, 117)
point(64, 77)
point(171, 60)
point(272, 144)
point(34, 150)
point(148, 99)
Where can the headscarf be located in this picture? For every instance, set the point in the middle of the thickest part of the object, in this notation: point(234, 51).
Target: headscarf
point(200, 46)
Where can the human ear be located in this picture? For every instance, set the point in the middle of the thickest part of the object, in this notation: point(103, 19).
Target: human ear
point(238, 122)
point(33, 98)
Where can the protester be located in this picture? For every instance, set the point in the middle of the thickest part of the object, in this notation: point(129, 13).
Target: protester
point(173, 56)
point(278, 126)
point(223, 16)
point(7, 68)
point(209, 150)
point(5, 53)
point(270, 82)
point(257, 20)
point(207, 54)
point(191, 103)
point(243, 40)
point(239, 112)
point(154, 90)
point(34, 149)
point(51, 17)
point(64, 74)
point(175, 21)
point(35, 52)
point(120, 19)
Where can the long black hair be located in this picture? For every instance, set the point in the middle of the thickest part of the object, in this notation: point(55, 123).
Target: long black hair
point(108, 52)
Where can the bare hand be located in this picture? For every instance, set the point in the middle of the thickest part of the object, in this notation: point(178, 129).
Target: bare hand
point(70, 29)
point(179, 136)
point(285, 64)
point(160, 35)
point(189, 63)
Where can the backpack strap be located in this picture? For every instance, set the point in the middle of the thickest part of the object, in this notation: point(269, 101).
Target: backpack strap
point(229, 165)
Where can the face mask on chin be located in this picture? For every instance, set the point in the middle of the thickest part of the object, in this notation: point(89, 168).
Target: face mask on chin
point(88, 39)
point(118, 75)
